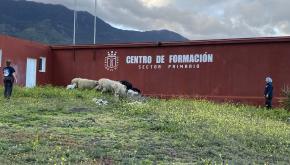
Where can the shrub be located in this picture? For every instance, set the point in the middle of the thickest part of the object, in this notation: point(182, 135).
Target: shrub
point(286, 93)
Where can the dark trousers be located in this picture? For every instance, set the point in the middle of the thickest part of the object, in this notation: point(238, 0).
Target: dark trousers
point(268, 103)
point(8, 85)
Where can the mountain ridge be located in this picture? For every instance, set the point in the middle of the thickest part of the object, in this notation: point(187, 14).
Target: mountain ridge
point(53, 24)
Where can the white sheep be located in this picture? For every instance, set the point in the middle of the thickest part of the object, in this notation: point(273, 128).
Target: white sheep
point(84, 83)
point(132, 93)
point(71, 86)
point(107, 85)
point(135, 95)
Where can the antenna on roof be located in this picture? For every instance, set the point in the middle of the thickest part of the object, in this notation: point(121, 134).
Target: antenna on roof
point(95, 21)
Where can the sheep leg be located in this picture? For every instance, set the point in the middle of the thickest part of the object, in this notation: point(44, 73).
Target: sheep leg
point(98, 87)
point(104, 90)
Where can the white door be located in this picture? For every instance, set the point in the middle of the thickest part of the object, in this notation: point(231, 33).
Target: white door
point(31, 73)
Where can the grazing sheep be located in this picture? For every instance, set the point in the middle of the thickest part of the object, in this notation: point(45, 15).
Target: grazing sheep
point(136, 90)
point(127, 84)
point(71, 86)
point(135, 94)
point(107, 85)
point(84, 83)
point(132, 93)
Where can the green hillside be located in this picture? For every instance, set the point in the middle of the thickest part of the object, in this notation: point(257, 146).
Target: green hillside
point(56, 126)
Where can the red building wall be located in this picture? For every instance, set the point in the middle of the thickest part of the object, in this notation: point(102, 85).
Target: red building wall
point(237, 71)
point(18, 51)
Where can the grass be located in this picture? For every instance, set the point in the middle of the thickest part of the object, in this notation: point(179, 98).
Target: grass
point(48, 125)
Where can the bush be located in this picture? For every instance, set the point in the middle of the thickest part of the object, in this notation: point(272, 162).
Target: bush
point(286, 93)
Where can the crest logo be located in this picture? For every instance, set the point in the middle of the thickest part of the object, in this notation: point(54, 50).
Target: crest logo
point(112, 61)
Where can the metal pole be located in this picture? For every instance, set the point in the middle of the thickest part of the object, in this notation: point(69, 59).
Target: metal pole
point(75, 15)
point(95, 21)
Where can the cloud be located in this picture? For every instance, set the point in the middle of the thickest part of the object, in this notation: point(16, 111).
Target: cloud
point(155, 3)
point(194, 19)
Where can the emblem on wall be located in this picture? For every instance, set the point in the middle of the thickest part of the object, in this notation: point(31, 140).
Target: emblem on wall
point(111, 61)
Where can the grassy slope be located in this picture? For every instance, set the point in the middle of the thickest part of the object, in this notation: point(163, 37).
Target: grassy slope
point(53, 125)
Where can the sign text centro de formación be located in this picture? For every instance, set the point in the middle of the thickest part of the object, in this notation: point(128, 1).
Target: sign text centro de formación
point(157, 62)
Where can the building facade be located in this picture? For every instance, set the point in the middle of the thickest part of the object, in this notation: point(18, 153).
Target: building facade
point(31, 60)
point(221, 70)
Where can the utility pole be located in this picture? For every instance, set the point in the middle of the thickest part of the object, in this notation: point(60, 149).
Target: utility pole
point(75, 17)
point(95, 21)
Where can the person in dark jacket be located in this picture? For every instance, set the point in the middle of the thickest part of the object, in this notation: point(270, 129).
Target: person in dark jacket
point(8, 78)
point(268, 93)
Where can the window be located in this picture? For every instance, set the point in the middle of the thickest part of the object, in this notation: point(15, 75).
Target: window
point(0, 57)
point(42, 64)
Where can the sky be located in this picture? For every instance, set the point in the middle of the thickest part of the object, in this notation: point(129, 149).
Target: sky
point(194, 19)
